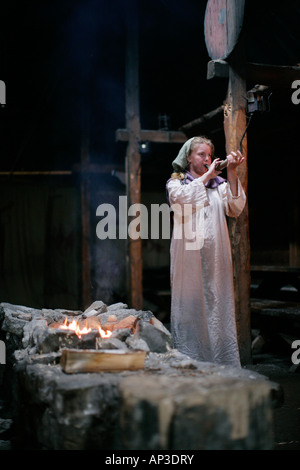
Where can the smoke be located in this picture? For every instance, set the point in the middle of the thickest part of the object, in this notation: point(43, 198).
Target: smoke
point(93, 49)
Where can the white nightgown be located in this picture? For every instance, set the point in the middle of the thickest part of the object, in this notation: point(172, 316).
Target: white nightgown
point(203, 321)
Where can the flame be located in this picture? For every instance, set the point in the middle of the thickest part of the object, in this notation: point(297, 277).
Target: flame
point(103, 333)
point(74, 326)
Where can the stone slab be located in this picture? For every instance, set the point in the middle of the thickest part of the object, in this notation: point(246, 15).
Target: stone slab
point(175, 403)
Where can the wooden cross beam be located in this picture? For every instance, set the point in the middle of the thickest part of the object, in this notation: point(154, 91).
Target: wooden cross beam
point(277, 76)
point(158, 136)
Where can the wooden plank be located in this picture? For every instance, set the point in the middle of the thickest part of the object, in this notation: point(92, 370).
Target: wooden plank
point(133, 159)
point(122, 135)
point(276, 309)
point(86, 360)
point(276, 269)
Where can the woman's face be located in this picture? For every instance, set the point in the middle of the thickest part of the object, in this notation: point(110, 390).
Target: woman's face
point(200, 156)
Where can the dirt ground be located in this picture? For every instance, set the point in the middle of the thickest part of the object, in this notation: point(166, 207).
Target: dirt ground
point(277, 367)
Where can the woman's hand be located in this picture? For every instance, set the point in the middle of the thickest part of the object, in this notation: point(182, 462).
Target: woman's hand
point(212, 172)
point(234, 160)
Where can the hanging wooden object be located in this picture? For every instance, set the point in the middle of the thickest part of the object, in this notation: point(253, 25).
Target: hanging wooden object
point(222, 26)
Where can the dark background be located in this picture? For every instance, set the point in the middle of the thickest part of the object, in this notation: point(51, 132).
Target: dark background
point(65, 60)
point(59, 57)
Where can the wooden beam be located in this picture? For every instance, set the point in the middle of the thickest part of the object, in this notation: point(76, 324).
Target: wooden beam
point(276, 76)
point(35, 173)
point(84, 167)
point(133, 158)
point(85, 223)
point(203, 119)
point(234, 127)
point(87, 167)
point(173, 137)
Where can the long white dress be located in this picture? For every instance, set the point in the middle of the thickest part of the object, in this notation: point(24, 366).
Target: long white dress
point(203, 321)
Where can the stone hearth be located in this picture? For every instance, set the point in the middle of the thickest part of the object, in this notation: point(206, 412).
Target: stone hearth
point(173, 403)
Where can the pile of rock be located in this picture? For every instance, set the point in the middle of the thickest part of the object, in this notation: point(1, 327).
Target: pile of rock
point(34, 331)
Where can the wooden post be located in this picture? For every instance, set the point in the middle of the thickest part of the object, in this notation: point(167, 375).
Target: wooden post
point(133, 160)
point(234, 127)
point(85, 219)
point(223, 35)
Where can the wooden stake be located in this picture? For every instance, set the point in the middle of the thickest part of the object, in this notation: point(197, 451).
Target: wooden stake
point(133, 160)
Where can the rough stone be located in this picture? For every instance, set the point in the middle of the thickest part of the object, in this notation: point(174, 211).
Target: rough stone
point(121, 334)
point(38, 330)
point(158, 340)
point(165, 406)
point(32, 332)
point(52, 340)
point(13, 320)
point(116, 306)
point(65, 412)
point(174, 403)
point(96, 307)
point(211, 412)
point(137, 344)
point(111, 343)
point(127, 322)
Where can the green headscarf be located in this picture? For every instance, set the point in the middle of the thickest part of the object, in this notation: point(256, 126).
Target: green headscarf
point(181, 162)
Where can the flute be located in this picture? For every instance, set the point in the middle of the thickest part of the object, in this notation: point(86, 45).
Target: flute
point(219, 166)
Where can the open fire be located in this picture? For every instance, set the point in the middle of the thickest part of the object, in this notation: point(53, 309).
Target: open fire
point(116, 327)
point(74, 326)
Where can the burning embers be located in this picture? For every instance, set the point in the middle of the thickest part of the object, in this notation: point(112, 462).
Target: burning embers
point(74, 326)
point(100, 327)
